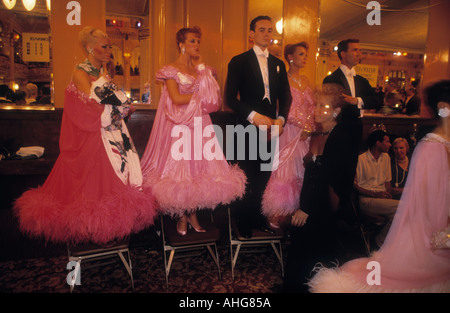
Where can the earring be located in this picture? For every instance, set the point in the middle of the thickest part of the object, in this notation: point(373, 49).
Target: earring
point(444, 112)
point(334, 115)
point(291, 61)
point(90, 51)
point(183, 50)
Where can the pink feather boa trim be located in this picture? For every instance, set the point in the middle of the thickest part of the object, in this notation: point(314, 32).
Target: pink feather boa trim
point(114, 217)
point(281, 198)
point(205, 191)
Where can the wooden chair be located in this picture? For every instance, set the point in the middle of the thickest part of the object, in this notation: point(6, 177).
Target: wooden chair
point(92, 252)
point(173, 241)
point(258, 239)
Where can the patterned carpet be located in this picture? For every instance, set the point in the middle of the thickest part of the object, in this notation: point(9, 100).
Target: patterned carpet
point(31, 266)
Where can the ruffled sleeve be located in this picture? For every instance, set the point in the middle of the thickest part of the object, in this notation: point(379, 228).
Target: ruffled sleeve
point(208, 94)
point(82, 110)
point(167, 72)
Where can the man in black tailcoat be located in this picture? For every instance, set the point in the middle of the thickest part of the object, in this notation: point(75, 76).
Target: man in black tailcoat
point(257, 90)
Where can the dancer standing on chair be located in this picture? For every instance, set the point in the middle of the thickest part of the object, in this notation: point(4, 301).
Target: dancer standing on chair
point(184, 182)
point(94, 191)
point(282, 195)
point(256, 84)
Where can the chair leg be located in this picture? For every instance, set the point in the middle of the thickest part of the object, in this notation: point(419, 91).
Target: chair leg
point(128, 266)
point(215, 256)
point(279, 254)
point(168, 265)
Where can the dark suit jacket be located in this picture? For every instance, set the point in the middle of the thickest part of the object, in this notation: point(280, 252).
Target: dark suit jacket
point(362, 88)
point(413, 105)
point(244, 89)
point(339, 160)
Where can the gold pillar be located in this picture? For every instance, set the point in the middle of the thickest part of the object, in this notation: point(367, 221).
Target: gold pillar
point(66, 50)
point(438, 46)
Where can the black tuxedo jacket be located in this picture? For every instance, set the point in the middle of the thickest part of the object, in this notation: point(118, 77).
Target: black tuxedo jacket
point(244, 89)
point(362, 88)
point(413, 105)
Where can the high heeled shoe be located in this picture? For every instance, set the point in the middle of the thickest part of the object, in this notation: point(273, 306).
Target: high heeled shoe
point(198, 230)
point(181, 232)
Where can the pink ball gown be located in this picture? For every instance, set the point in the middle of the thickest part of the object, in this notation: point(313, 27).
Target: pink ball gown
point(93, 193)
point(407, 261)
point(282, 194)
point(183, 162)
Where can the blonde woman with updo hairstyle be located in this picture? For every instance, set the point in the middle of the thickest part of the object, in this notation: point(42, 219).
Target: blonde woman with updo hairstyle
point(185, 183)
point(94, 192)
point(325, 199)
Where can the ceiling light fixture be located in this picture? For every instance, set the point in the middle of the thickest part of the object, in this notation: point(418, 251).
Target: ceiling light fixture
point(29, 4)
point(9, 4)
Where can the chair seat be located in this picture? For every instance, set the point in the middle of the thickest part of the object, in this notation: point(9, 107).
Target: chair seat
point(92, 248)
point(257, 234)
point(259, 237)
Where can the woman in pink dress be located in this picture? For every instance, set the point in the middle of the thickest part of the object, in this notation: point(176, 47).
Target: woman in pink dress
point(282, 194)
point(183, 162)
point(94, 192)
point(411, 259)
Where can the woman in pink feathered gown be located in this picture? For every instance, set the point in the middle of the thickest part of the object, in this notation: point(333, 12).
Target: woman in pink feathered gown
point(94, 192)
point(410, 260)
point(183, 162)
point(281, 197)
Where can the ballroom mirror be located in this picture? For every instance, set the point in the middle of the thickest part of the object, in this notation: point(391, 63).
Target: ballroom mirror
point(25, 52)
point(127, 24)
point(392, 52)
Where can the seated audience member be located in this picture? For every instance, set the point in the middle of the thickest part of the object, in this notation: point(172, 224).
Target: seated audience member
point(412, 102)
point(399, 166)
point(373, 181)
point(5, 93)
point(45, 97)
point(19, 97)
point(31, 91)
point(392, 103)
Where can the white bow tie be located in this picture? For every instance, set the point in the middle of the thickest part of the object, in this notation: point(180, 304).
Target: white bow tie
point(351, 72)
point(264, 53)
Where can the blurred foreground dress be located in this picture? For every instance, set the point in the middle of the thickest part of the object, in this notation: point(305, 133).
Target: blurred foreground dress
point(93, 193)
point(183, 162)
point(407, 260)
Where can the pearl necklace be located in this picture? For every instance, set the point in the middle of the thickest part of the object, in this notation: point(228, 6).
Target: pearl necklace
point(397, 183)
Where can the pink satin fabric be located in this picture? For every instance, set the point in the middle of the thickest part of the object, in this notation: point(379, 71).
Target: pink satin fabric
point(407, 261)
point(282, 194)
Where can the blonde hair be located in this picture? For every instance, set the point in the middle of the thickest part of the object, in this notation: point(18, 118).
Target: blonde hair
point(31, 90)
point(89, 36)
point(401, 139)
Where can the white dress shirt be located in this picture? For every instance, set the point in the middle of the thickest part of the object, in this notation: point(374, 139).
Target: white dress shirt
point(262, 57)
point(349, 75)
point(373, 174)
